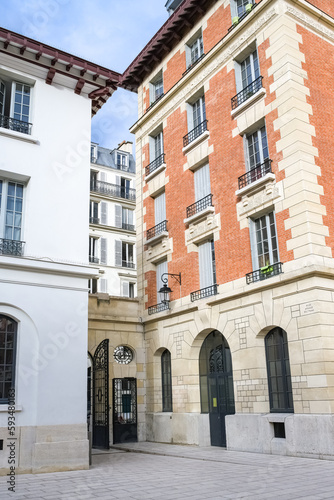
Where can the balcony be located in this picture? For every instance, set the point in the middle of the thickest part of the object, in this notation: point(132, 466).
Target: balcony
point(94, 260)
point(113, 190)
point(156, 230)
point(15, 125)
point(11, 247)
point(128, 227)
point(155, 164)
point(128, 264)
point(247, 92)
point(94, 220)
point(199, 206)
point(158, 308)
point(264, 273)
point(255, 174)
point(204, 292)
point(194, 133)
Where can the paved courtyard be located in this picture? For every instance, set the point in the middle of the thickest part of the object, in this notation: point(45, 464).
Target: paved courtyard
point(170, 472)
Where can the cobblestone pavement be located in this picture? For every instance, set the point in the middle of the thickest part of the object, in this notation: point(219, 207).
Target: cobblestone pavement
point(169, 472)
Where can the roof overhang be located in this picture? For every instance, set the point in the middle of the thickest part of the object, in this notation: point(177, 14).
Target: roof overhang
point(177, 25)
point(98, 82)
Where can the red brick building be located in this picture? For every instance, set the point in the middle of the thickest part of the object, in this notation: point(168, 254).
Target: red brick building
point(234, 151)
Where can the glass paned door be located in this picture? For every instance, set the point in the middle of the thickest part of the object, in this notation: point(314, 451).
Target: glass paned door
point(14, 207)
point(266, 240)
point(250, 70)
point(199, 111)
point(2, 98)
point(21, 102)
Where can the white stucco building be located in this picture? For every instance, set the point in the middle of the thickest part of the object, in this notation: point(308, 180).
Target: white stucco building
point(46, 101)
point(112, 234)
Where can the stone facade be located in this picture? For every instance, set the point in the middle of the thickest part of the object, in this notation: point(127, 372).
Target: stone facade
point(293, 41)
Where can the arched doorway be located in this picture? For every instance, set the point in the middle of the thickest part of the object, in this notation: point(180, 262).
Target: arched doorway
point(216, 384)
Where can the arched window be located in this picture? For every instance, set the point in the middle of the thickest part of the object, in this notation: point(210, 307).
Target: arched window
point(8, 332)
point(278, 371)
point(166, 381)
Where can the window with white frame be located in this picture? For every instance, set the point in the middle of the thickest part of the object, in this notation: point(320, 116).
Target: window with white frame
point(196, 116)
point(93, 250)
point(128, 289)
point(207, 264)
point(194, 49)
point(124, 254)
point(247, 74)
point(240, 7)
point(156, 87)
point(161, 268)
point(256, 148)
point(127, 219)
point(264, 244)
point(94, 212)
point(15, 105)
point(250, 69)
point(93, 153)
point(11, 212)
point(121, 161)
point(156, 144)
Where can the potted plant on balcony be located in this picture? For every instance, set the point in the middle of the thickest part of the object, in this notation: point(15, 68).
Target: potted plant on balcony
point(235, 20)
point(266, 271)
point(248, 7)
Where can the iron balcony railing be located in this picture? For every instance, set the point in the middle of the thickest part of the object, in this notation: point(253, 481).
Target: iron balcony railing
point(193, 64)
point(160, 160)
point(195, 132)
point(264, 273)
point(199, 205)
point(255, 173)
point(113, 190)
point(16, 125)
point(11, 247)
point(128, 227)
point(158, 308)
point(247, 92)
point(128, 264)
point(204, 292)
point(94, 220)
point(94, 260)
point(154, 102)
point(156, 230)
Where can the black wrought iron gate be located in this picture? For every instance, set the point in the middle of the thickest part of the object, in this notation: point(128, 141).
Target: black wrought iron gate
point(124, 410)
point(101, 395)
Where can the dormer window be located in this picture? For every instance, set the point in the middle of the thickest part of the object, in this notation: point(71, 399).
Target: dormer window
point(121, 161)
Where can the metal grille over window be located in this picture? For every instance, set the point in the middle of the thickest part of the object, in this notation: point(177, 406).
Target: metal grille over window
point(247, 92)
point(166, 381)
point(199, 205)
point(156, 230)
point(157, 308)
point(117, 191)
point(8, 332)
point(125, 404)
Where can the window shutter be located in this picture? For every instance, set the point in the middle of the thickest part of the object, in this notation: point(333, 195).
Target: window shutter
point(252, 235)
point(104, 212)
point(103, 243)
point(103, 176)
point(103, 285)
point(247, 163)
point(202, 182)
point(160, 208)
point(205, 265)
point(118, 216)
point(161, 268)
point(125, 289)
point(118, 253)
point(130, 217)
point(118, 180)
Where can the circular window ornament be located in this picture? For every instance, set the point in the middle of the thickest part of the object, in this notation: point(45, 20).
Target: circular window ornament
point(123, 355)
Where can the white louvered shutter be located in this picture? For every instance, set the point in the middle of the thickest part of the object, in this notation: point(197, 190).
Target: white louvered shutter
point(118, 253)
point(118, 216)
point(103, 243)
point(104, 213)
point(205, 264)
point(160, 208)
point(125, 289)
point(202, 182)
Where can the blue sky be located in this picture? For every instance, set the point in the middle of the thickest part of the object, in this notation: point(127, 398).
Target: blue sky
point(108, 32)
